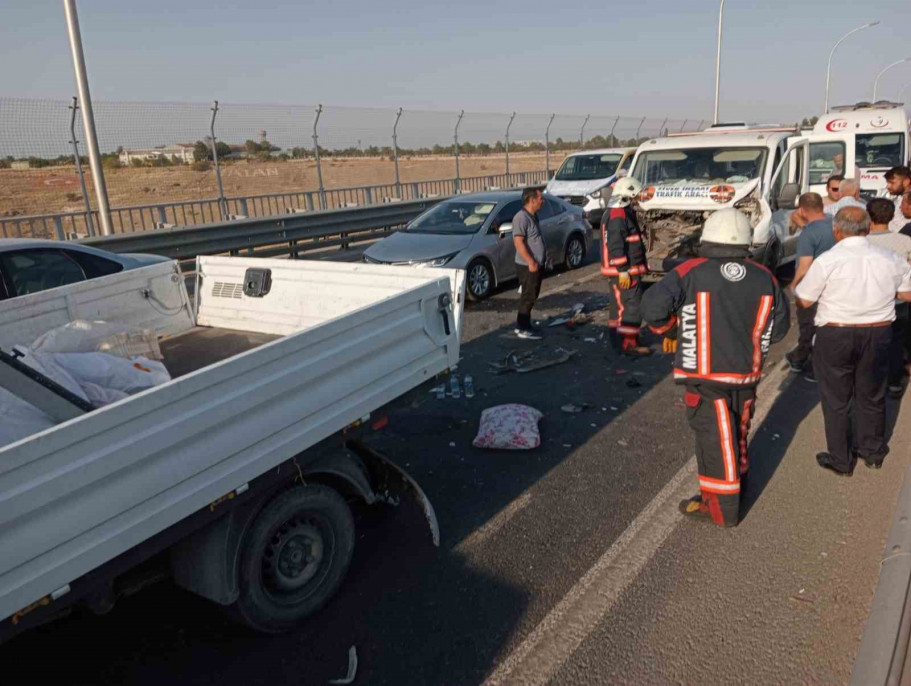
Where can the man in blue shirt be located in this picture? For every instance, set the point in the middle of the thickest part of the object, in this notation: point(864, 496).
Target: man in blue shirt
point(815, 238)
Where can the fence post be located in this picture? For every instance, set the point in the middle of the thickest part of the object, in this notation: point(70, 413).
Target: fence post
point(701, 122)
point(455, 138)
point(395, 152)
point(89, 224)
point(661, 128)
point(319, 168)
point(582, 133)
point(610, 136)
point(639, 129)
point(683, 126)
point(511, 117)
point(222, 204)
point(547, 147)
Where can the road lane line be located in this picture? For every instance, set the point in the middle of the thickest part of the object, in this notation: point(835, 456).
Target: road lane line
point(538, 658)
point(496, 523)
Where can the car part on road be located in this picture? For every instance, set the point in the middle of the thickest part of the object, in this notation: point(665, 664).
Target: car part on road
point(480, 280)
point(352, 668)
point(531, 360)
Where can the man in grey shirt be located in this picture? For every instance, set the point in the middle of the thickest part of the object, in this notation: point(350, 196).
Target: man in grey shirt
point(530, 258)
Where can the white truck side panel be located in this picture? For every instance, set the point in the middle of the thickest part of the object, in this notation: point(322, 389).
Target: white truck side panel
point(118, 297)
point(83, 492)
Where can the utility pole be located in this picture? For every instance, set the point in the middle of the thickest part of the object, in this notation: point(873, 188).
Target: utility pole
point(511, 117)
point(89, 223)
point(547, 145)
point(395, 152)
point(88, 116)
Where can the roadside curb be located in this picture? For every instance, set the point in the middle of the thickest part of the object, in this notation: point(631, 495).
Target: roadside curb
point(884, 649)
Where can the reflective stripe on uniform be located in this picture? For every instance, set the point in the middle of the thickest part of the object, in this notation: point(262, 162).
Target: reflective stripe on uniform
point(703, 333)
point(762, 317)
point(726, 436)
point(718, 486)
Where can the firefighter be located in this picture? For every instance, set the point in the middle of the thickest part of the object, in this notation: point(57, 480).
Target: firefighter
point(623, 262)
point(719, 313)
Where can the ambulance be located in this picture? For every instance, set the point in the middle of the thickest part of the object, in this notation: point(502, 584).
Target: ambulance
point(879, 141)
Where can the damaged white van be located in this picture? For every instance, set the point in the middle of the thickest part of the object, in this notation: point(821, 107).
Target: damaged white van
point(686, 177)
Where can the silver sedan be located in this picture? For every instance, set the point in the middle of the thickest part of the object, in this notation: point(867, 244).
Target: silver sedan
point(474, 232)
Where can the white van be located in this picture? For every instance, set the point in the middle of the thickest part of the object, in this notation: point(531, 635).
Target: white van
point(686, 177)
point(878, 136)
point(585, 178)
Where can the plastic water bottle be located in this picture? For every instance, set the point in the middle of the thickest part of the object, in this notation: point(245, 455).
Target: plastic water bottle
point(454, 387)
point(469, 386)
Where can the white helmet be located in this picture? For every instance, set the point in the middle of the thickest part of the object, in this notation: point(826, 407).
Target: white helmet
point(624, 190)
point(727, 227)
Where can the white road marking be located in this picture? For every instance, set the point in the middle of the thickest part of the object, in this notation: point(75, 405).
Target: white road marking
point(496, 523)
point(538, 658)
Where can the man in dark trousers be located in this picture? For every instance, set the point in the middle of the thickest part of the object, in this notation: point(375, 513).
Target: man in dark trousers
point(723, 311)
point(815, 238)
point(855, 285)
point(530, 257)
point(623, 261)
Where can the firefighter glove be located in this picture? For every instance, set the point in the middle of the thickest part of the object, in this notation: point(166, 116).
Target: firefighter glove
point(669, 345)
point(625, 280)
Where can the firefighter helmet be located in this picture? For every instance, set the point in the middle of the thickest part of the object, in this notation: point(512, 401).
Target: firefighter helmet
point(727, 227)
point(624, 190)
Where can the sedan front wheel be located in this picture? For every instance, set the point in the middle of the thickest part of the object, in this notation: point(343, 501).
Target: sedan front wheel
point(480, 280)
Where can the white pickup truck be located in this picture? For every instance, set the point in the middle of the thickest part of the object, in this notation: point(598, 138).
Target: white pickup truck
point(685, 177)
point(240, 467)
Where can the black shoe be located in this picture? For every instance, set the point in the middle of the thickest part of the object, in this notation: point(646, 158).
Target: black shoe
point(875, 462)
point(693, 508)
point(528, 335)
point(824, 460)
point(896, 390)
point(810, 375)
point(795, 365)
point(874, 465)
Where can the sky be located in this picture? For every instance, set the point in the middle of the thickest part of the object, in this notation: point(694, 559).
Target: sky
point(650, 58)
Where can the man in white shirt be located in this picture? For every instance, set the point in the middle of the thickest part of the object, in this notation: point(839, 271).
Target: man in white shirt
point(849, 196)
point(855, 285)
point(898, 182)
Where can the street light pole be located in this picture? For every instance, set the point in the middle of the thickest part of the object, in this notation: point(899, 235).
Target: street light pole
point(88, 116)
point(902, 91)
point(876, 80)
point(840, 41)
point(718, 60)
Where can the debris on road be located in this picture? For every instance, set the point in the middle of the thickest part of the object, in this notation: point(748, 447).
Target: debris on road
point(531, 360)
point(570, 408)
point(623, 442)
point(633, 382)
point(352, 668)
point(509, 427)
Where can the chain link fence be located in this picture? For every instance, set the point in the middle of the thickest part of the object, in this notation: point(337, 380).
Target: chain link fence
point(162, 168)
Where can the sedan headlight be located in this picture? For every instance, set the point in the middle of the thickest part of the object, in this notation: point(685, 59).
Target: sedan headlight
point(440, 261)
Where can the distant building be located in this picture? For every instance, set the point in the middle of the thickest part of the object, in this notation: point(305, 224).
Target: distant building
point(184, 152)
point(20, 164)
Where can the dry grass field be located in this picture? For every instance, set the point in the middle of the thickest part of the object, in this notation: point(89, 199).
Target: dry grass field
point(56, 189)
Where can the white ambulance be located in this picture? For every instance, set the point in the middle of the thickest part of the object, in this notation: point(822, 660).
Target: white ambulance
point(879, 141)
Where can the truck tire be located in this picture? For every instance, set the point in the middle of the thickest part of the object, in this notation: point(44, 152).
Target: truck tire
point(293, 558)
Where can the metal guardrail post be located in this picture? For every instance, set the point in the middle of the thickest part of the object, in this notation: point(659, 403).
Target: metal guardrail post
point(58, 227)
point(89, 224)
point(162, 215)
point(547, 145)
point(610, 136)
point(457, 185)
point(319, 167)
point(222, 205)
point(395, 152)
point(511, 117)
point(582, 132)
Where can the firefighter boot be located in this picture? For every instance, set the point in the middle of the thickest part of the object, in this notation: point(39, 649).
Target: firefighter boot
point(632, 348)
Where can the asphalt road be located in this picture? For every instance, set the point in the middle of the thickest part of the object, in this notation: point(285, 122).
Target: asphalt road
point(568, 564)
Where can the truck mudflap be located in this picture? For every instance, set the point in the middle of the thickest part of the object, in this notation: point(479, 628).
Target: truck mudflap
point(390, 480)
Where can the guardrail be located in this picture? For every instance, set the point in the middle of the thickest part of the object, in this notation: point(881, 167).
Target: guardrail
point(73, 225)
point(290, 234)
point(883, 658)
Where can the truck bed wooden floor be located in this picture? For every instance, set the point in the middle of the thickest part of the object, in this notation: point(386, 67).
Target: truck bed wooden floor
point(203, 346)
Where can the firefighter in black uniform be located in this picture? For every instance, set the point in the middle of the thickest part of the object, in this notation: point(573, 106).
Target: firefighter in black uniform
point(623, 262)
point(719, 312)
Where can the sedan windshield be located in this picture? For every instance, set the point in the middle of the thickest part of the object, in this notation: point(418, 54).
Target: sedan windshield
point(700, 165)
point(453, 217)
point(588, 167)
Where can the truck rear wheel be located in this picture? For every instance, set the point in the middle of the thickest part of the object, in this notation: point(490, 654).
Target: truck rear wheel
point(294, 557)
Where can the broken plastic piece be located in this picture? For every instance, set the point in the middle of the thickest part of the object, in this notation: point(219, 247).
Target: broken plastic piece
point(352, 668)
point(569, 408)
